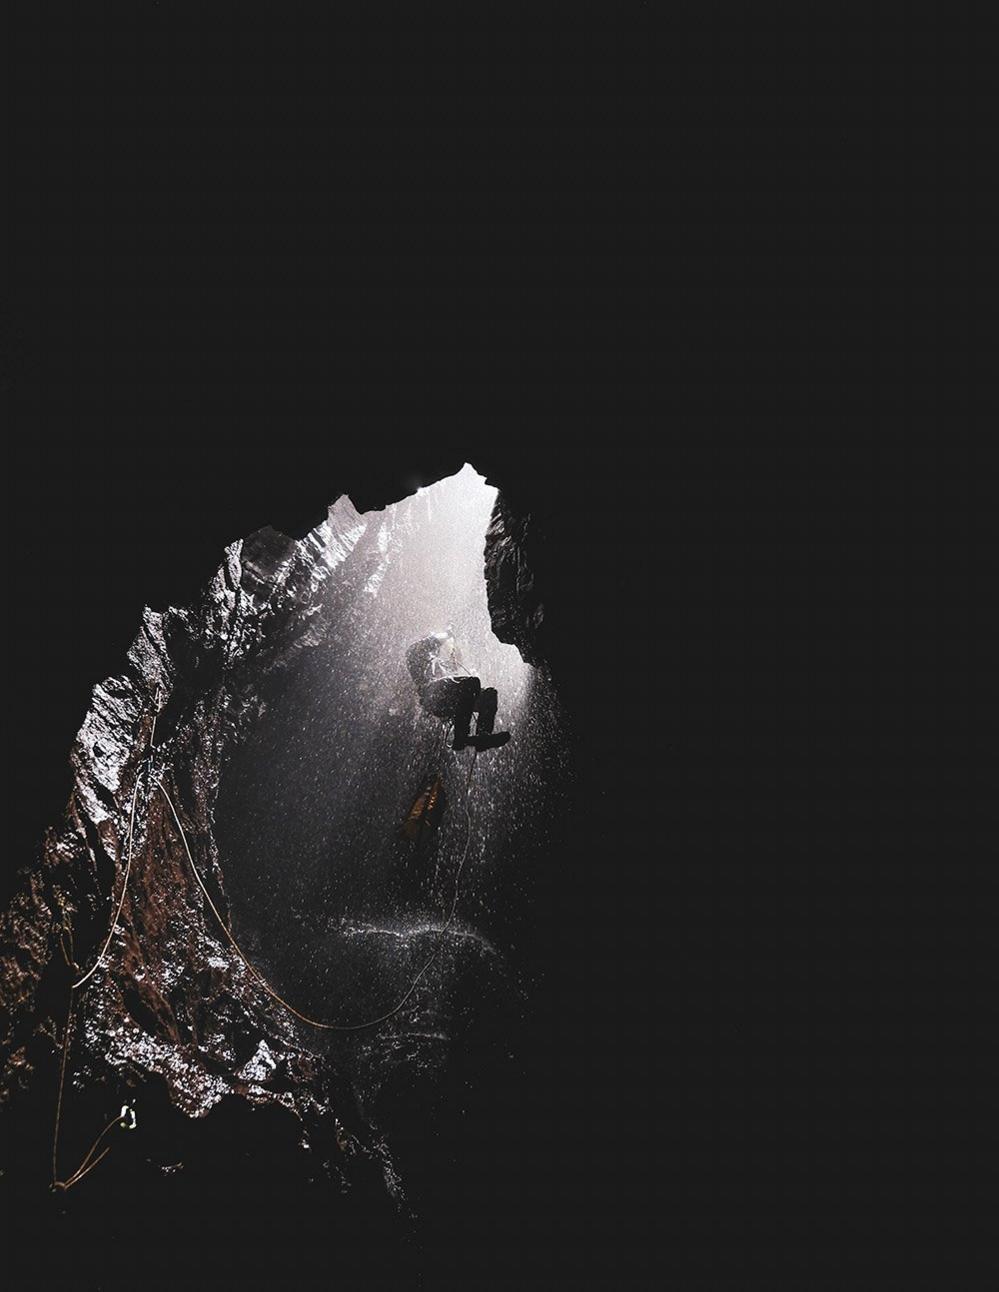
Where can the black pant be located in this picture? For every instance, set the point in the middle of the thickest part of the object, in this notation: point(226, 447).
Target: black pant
point(455, 699)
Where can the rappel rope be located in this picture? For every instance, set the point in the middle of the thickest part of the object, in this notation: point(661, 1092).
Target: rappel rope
point(86, 1166)
point(89, 1162)
point(315, 1022)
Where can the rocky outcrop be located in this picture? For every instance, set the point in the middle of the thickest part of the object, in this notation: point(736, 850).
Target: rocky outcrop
point(170, 1003)
point(171, 999)
point(515, 606)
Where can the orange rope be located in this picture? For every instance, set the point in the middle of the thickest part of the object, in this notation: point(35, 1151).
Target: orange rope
point(84, 1169)
point(82, 1173)
point(62, 1082)
point(86, 1166)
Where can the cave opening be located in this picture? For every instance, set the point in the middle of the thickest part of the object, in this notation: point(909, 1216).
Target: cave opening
point(335, 904)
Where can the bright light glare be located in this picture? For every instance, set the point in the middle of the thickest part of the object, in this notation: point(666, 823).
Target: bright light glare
point(430, 574)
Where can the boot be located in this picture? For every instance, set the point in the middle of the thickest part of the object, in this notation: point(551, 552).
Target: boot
point(478, 743)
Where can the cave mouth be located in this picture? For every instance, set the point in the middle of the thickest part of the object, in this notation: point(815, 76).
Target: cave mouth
point(336, 905)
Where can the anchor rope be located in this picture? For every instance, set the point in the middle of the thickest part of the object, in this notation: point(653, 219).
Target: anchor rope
point(306, 1018)
point(84, 1169)
point(86, 1166)
point(89, 1162)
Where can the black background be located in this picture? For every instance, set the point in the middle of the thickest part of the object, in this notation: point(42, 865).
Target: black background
point(700, 297)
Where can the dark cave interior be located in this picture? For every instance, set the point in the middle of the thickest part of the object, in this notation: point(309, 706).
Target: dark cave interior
point(430, 1119)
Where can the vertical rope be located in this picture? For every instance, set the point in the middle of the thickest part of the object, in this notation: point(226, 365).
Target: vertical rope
point(86, 1166)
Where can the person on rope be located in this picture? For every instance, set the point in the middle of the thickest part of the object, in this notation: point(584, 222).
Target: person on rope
point(448, 691)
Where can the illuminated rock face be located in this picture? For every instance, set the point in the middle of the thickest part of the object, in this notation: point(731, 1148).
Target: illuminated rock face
point(172, 1006)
